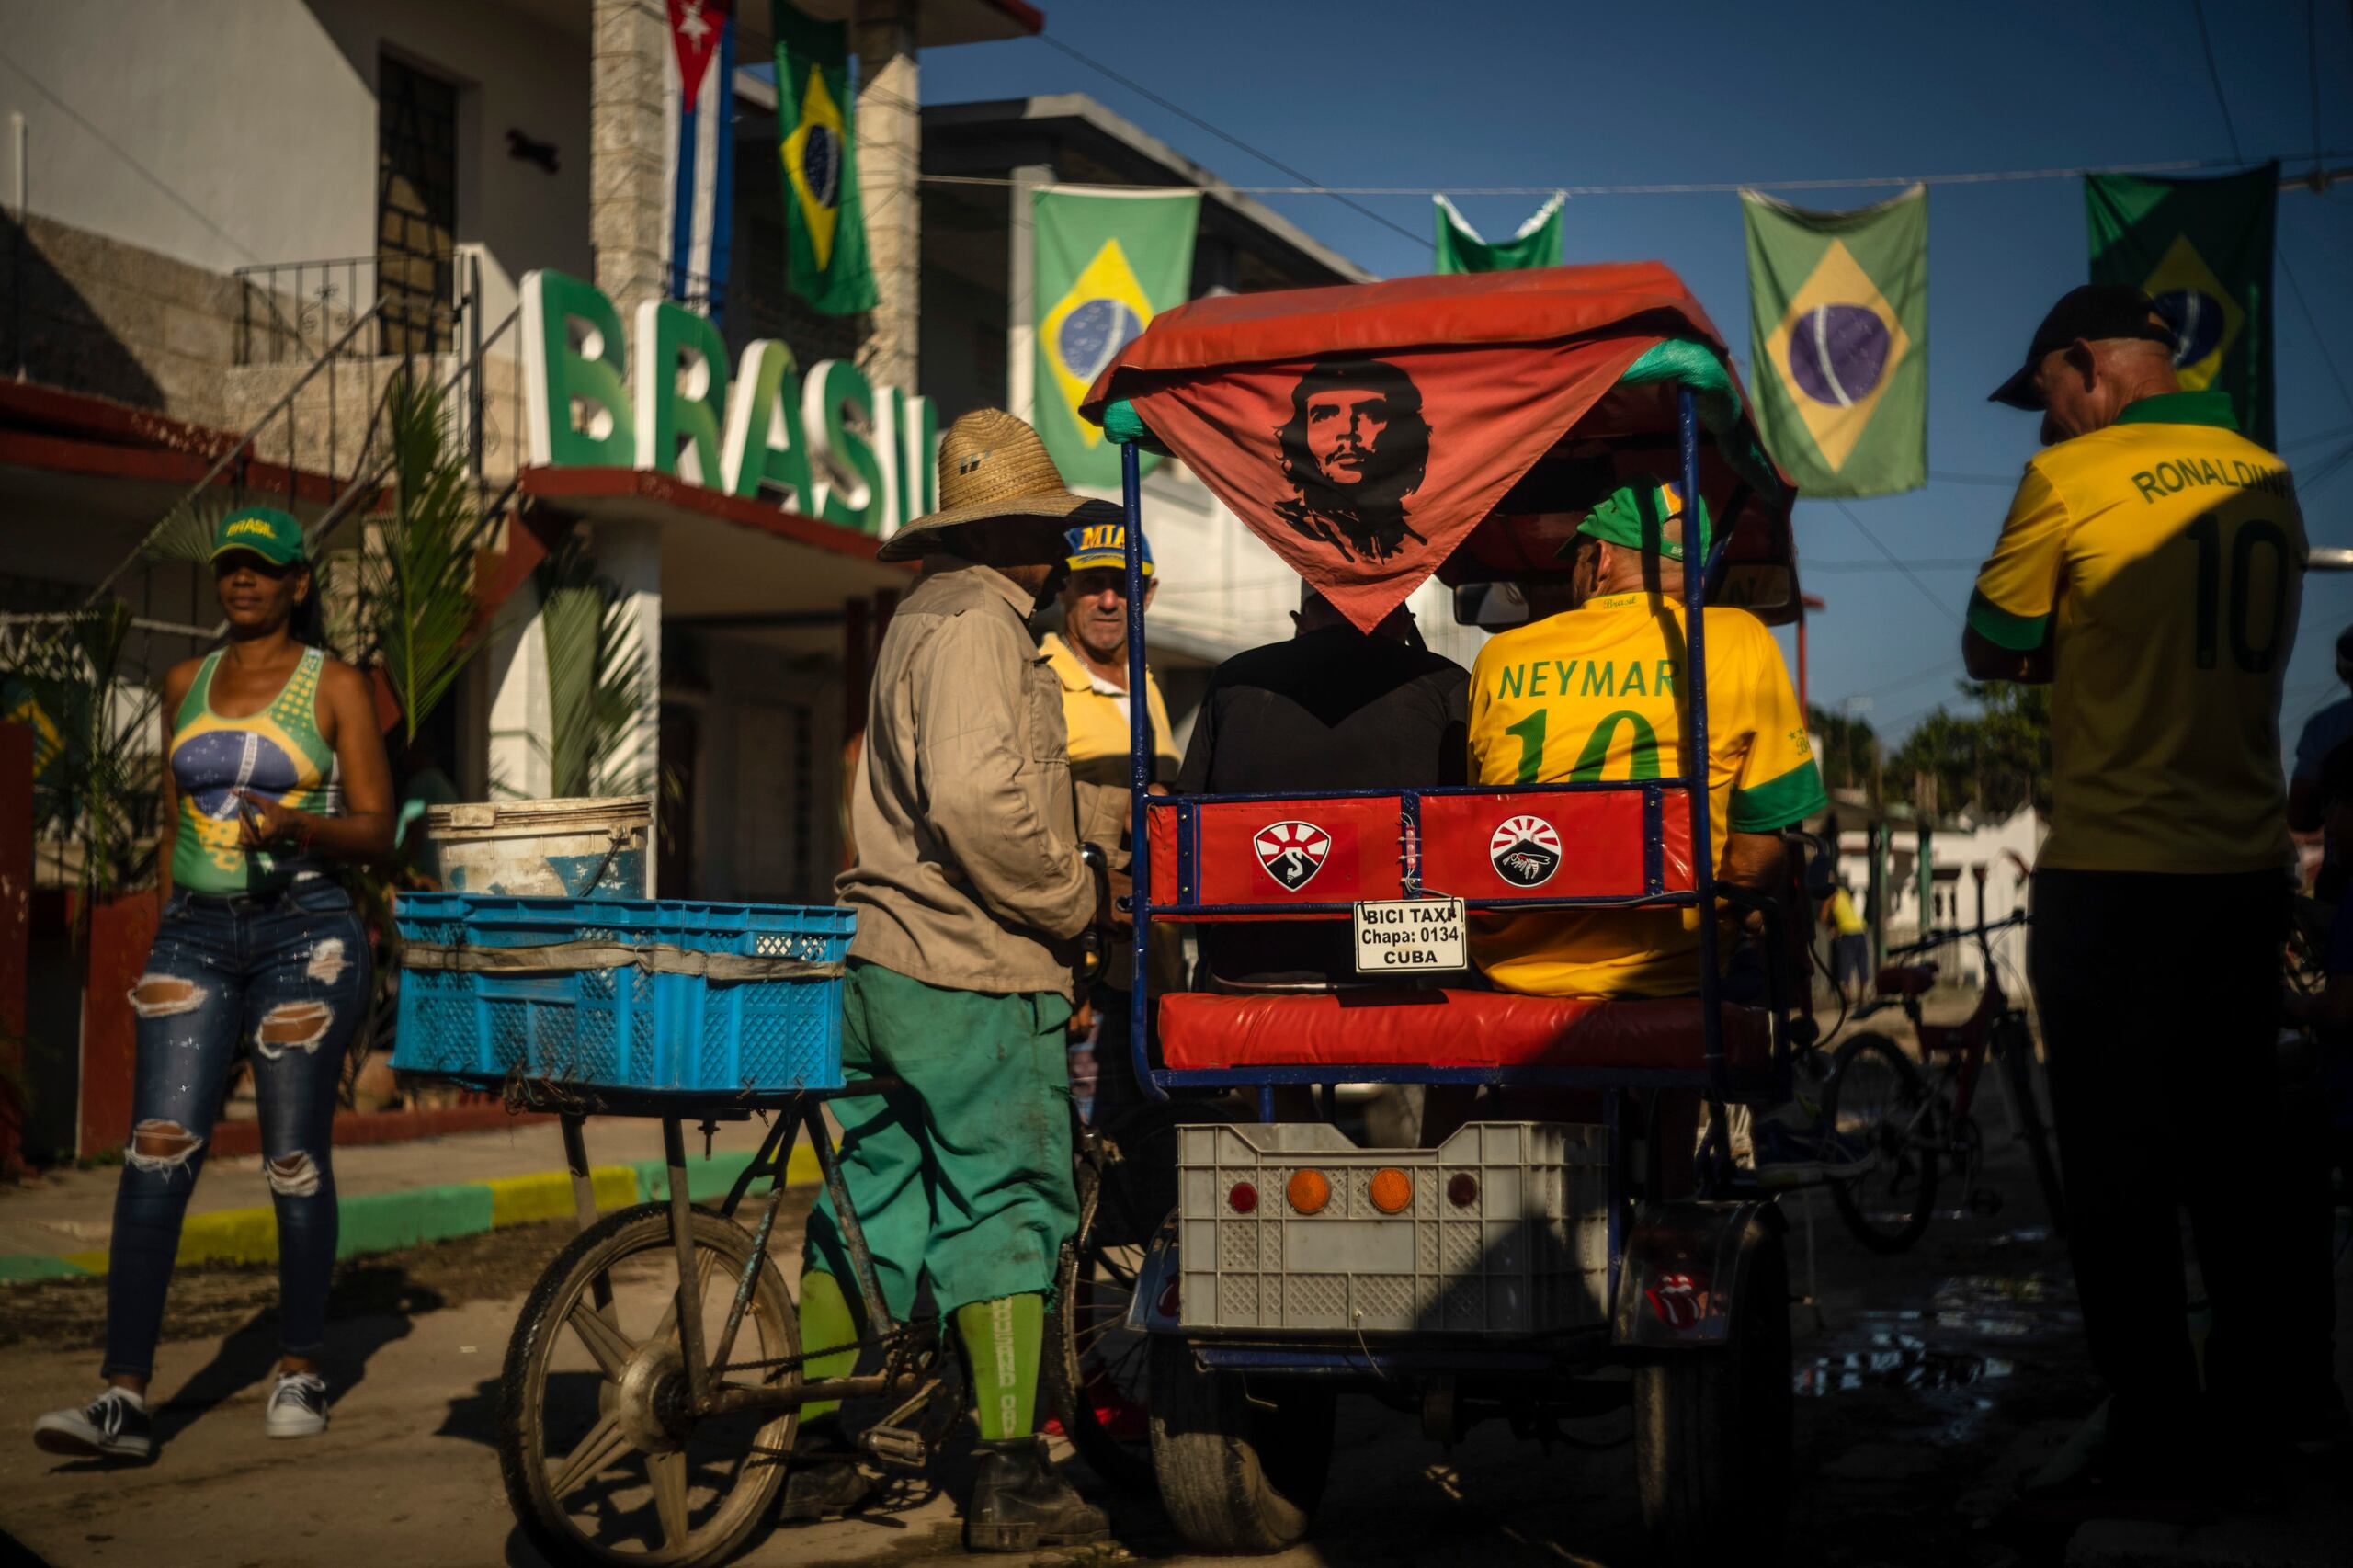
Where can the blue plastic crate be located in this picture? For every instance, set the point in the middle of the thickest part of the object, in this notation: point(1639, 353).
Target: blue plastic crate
point(623, 1027)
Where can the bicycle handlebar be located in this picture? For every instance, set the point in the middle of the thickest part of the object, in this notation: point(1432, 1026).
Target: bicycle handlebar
point(1937, 939)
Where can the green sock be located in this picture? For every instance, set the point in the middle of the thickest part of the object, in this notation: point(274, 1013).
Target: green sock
point(1001, 1341)
point(827, 1318)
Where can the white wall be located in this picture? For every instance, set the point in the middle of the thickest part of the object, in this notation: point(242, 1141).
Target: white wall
point(2005, 849)
point(229, 133)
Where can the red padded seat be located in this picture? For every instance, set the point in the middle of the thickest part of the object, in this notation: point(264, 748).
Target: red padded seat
point(1450, 1028)
point(1907, 979)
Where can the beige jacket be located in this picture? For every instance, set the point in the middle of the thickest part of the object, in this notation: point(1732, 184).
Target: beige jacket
point(968, 874)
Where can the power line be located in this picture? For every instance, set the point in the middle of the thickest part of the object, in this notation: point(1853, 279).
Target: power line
point(1268, 158)
point(1925, 592)
point(1695, 187)
point(2214, 74)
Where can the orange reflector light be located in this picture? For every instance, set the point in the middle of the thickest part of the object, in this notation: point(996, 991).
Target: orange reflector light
point(1307, 1191)
point(1392, 1190)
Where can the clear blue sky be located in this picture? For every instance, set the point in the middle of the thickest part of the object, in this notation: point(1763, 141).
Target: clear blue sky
point(1464, 94)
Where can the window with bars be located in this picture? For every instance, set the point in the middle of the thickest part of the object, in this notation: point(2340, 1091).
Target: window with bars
point(416, 205)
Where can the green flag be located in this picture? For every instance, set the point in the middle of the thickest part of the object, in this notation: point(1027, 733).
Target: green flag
point(1106, 265)
point(2201, 249)
point(1839, 336)
point(1537, 242)
point(825, 230)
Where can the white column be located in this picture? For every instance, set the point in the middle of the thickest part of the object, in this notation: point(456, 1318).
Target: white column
point(516, 671)
point(630, 556)
point(1021, 296)
point(890, 160)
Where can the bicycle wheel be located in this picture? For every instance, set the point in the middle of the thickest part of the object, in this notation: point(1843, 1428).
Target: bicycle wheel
point(2015, 1048)
point(1878, 1109)
point(602, 1462)
point(1096, 1374)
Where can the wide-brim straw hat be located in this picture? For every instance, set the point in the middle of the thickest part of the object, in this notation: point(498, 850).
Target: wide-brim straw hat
point(992, 465)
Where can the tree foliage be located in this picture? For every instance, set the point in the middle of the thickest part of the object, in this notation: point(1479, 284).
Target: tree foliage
point(1996, 759)
point(1848, 746)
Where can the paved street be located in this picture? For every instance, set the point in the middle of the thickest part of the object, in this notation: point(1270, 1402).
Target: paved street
point(1928, 1386)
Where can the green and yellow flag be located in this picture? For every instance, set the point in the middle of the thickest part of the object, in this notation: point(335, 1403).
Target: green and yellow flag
point(1536, 242)
point(2201, 249)
point(1106, 265)
point(825, 230)
point(1838, 331)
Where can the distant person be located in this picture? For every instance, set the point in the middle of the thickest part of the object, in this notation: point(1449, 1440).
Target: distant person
point(1332, 708)
point(2324, 732)
point(2149, 569)
point(1850, 943)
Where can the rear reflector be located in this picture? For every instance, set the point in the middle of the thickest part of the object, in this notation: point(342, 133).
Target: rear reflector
point(1462, 1189)
point(1307, 1191)
point(1242, 1198)
point(1392, 1190)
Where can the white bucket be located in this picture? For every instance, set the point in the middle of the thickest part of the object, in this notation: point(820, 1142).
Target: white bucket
point(580, 848)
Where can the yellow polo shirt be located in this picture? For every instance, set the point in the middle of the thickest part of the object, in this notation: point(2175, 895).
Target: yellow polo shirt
point(2163, 559)
point(1592, 693)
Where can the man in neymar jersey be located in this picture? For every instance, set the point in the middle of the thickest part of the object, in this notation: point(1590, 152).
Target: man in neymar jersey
point(2150, 570)
point(1596, 692)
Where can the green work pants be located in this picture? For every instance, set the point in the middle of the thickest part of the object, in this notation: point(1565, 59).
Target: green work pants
point(963, 1175)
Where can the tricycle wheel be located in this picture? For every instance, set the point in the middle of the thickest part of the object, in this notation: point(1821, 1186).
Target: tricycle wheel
point(1097, 1368)
point(1712, 1427)
point(603, 1462)
point(1239, 1472)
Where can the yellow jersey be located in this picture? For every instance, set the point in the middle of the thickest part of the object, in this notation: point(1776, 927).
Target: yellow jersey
point(1593, 694)
point(2163, 559)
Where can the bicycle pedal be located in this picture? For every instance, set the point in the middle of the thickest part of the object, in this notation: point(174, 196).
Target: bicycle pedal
point(896, 1448)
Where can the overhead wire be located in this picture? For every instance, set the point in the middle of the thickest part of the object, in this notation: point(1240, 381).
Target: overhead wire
point(1925, 592)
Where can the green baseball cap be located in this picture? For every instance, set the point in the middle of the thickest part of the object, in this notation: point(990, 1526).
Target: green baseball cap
point(1635, 514)
point(268, 532)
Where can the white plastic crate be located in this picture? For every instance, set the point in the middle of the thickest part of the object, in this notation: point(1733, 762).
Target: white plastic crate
point(1528, 1253)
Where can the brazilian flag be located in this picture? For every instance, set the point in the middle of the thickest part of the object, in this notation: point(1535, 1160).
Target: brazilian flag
point(1838, 334)
point(1537, 242)
point(825, 231)
point(1106, 265)
point(2201, 249)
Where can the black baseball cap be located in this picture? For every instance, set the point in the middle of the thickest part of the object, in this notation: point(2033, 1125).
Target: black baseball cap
point(2094, 312)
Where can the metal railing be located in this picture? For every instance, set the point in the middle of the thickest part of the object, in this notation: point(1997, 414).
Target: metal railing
point(292, 310)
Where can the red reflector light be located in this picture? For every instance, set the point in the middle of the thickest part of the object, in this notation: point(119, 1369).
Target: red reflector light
point(1242, 1198)
point(1462, 1189)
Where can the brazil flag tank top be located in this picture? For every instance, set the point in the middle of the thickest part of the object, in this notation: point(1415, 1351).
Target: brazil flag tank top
point(278, 753)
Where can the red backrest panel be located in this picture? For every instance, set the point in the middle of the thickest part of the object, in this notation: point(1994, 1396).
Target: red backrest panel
point(1322, 851)
point(1531, 844)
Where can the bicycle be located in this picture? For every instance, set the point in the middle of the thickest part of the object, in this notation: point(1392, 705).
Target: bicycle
point(651, 1394)
point(1898, 1127)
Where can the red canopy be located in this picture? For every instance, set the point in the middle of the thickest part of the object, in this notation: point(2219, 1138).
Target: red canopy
point(1365, 431)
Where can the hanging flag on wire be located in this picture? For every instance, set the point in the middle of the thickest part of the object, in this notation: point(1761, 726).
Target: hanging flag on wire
point(825, 230)
point(1838, 334)
point(2201, 249)
point(1106, 265)
point(699, 218)
point(1536, 242)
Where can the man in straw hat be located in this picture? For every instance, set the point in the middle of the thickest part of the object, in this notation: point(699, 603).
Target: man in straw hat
point(971, 894)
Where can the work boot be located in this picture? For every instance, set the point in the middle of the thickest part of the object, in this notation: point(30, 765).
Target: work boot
point(1019, 1503)
point(821, 1484)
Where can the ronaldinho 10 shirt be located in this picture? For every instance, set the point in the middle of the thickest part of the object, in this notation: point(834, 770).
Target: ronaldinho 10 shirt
point(1594, 694)
point(2164, 559)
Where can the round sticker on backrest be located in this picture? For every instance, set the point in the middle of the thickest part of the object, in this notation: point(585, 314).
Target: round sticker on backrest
point(1525, 851)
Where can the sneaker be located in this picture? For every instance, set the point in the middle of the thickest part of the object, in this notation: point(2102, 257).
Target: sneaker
point(114, 1426)
point(298, 1406)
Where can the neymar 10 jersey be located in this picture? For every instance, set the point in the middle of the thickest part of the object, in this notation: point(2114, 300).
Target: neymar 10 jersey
point(1596, 693)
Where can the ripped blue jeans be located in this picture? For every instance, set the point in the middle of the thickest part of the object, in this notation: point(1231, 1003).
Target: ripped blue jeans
point(289, 975)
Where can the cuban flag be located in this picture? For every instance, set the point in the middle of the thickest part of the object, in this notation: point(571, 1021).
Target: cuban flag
point(699, 108)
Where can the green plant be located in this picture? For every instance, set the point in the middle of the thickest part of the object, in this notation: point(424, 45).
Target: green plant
point(415, 612)
point(598, 680)
point(97, 774)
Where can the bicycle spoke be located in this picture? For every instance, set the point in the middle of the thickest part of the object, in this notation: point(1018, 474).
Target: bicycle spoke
point(605, 1443)
point(706, 1263)
point(668, 1474)
point(610, 1347)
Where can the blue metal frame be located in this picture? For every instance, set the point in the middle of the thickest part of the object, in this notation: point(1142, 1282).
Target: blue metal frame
point(1156, 1083)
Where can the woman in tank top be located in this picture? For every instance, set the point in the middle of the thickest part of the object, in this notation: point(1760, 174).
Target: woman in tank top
point(276, 771)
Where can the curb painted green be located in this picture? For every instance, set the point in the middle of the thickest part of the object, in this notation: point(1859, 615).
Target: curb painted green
point(388, 1221)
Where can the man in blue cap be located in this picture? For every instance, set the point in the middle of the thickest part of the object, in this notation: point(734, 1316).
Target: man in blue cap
point(1089, 657)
